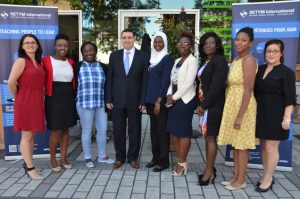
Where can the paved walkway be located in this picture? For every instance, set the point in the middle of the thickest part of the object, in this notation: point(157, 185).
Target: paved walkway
point(104, 182)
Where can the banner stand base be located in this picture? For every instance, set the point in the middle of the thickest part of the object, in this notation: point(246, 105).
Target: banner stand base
point(40, 156)
point(259, 166)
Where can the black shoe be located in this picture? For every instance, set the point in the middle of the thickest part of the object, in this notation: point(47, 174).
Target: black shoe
point(159, 168)
point(258, 189)
point(25, 167)
point(27, 170)
point(206, 182)
point(258, 183)
point(150, 164)
point(215, 171)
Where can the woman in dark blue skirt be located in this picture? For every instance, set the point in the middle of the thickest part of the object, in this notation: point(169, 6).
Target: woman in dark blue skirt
point(181, 99)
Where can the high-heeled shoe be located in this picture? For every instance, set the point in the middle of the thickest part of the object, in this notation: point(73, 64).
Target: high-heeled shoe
point(215, 171)
point(25, 167)
point(183, 171)
point(28, 171)
point(206, 182)
point(258, 183)
point(210, 179)
point(258, 189)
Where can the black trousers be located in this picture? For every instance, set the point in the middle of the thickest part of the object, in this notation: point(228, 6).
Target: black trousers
point(160, 139)
point(119, 117)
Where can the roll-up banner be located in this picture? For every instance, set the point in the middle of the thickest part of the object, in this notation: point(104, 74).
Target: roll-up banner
point(272, 20)
point(16, 21)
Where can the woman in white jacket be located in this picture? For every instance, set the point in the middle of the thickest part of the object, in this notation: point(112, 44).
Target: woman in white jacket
point(181, 98)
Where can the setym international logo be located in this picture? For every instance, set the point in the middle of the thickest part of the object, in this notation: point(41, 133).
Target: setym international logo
point(243, 13)
point(25, 15)
point(4, 14)
point(268, 12)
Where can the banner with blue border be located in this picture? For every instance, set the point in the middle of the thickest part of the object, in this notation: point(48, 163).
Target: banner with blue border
point(14, 22)
point(270, 20)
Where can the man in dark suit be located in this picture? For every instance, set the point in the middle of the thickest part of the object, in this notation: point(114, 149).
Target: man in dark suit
point(125, 96)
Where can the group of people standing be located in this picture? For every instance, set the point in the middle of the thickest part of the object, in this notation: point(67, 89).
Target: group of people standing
point(240, 105)
point(55, 89)
point(244, 104)
point(237, 105)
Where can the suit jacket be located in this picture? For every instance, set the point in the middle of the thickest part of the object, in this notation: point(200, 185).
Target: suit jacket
point(127, 91)
point(213, 80)
point(159, 79)
point(186, 79)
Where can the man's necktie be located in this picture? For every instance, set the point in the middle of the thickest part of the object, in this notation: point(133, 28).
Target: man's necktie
point(126, 62)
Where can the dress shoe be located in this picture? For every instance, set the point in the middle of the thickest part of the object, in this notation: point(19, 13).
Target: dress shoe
point(258, 189)
point(211, 179)
point(32, 173)
point(159, 168)
point(150, 164)
point(117, 164)
point(183, 170)
point(66, 165)
point(55, 169)
point(231, 188)
point(225, 183)
point(258, 183)
point(134, 164)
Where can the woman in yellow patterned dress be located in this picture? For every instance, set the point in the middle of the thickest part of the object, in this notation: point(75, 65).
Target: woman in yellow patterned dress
point(239, 115)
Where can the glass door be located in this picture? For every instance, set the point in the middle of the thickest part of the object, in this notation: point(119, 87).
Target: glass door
point(144, 21)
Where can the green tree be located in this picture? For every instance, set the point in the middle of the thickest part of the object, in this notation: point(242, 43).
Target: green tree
point(173, 29)
point(215, 16)
point(101, 15)
point(16, 2)
point(100, 18)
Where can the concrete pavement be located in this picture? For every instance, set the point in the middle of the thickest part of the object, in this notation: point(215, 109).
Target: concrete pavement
point(126, 182)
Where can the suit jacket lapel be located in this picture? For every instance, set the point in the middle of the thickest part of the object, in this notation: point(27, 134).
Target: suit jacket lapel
point(184, 64)
point(122, 61)
point(208, 64)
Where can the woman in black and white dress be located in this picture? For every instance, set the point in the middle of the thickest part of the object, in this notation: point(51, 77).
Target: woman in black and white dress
point(60, 101)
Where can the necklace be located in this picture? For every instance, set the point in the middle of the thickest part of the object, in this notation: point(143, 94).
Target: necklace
point(206, 62)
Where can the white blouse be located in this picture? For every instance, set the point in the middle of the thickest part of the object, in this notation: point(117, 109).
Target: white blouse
point(62, 70)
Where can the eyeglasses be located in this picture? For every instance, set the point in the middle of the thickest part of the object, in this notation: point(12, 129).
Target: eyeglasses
point(269, 52)
point(30, 43)
point(183, 44)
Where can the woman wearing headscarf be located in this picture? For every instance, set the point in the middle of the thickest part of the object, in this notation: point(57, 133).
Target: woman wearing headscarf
point(158, 81)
